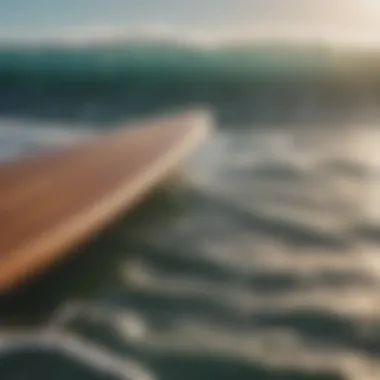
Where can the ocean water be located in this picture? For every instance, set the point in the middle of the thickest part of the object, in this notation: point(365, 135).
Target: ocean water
point(260, 262)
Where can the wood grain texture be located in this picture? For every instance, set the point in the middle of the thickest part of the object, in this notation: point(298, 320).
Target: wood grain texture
point(53, 201)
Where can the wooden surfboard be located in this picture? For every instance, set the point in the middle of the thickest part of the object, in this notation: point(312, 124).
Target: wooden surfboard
point(54, 200)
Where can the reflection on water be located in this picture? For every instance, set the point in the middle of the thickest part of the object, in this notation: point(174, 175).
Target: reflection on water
point(264, 263)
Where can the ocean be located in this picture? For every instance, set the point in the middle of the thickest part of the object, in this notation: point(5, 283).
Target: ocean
point(261, 261)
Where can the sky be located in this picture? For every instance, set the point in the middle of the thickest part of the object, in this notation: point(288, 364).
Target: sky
point(93, 19)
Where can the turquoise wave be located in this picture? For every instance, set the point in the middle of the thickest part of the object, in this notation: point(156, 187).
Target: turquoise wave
point(237, 62)
point(112, 81)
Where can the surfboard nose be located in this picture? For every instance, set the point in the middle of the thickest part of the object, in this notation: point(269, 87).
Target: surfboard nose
point(51, 202)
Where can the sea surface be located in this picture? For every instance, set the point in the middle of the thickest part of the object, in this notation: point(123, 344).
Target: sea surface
point(261, 261)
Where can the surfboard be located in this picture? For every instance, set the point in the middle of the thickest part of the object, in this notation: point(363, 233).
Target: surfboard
point(52, 201)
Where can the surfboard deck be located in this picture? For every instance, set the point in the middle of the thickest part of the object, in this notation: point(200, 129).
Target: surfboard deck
point(53, 201)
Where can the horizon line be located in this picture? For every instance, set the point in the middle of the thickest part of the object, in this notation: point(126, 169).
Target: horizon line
point(106, 34)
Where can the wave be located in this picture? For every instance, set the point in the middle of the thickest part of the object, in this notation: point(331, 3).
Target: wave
point(260, 80)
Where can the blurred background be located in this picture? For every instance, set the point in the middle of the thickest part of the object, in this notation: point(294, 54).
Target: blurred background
point(263, 262)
